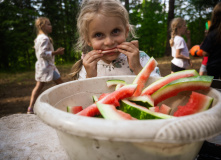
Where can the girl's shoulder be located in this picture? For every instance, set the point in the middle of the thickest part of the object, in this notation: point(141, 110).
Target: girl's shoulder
point(143, 54)
point(41, 37)
point(178, 40)
point(178, 37)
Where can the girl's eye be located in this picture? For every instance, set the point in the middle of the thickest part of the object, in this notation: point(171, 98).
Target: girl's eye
point(116, 31)
point(98, 35)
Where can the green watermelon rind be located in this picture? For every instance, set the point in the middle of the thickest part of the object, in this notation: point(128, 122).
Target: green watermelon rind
point(167, 79)
point(140, 112)
point(95, 98)
point(108, 112)
point(145, 101)
point(182, 84)
point(113, 82)
point(208, 104)
point(69, 109)
point(118, 86)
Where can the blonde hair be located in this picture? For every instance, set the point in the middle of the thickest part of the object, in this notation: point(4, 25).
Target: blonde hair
point(89, 9)
point(175, 24)
point(39, 23)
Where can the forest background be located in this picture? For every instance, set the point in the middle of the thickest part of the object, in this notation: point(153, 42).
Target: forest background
point(150, 17)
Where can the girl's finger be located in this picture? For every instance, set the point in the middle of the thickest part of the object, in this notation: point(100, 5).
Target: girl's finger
point(136, 43)
point(92, 56)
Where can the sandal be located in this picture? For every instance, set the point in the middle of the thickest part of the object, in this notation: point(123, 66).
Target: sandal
point(30, 110)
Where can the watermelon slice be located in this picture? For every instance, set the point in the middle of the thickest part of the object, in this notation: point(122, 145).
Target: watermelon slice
point(162, 109)
point(182, 84)
point(109, 111)
point(149, 90)
point(197, 103)
point(111, 98)
point(95, 99)
point(74, 109)
point(155, 109)
point(140, 112)
point(114, 82)
point(145, 100)
point(119, 86)
point(165, 109)
point(102, 95)
point(144, 74)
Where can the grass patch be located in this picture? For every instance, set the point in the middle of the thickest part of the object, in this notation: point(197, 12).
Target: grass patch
point(28, 76)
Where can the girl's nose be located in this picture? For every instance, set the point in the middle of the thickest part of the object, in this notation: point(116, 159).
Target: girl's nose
point(109, 41)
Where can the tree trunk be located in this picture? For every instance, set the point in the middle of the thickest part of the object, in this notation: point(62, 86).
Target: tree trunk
point(170, 17)
point(127, 5)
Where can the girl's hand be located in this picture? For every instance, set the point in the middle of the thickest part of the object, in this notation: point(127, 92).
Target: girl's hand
point(59, 51)
point(190, 62)
point(90, 62)
point(131, 50)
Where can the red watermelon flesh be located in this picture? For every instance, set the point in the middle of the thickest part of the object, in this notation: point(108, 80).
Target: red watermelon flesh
point(167, 79)
point(144, 74)
point(156, 108)
point(125, 115)
point(182, 84)
point(197, 103)
point(74, 109)
point(111, 98)
point(165, 109)
point(102, 95)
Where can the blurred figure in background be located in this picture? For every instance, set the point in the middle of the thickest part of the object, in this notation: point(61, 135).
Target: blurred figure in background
point(180, 51)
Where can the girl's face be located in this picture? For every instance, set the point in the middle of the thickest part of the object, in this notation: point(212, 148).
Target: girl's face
point(47, 28)
point(182, 29)
point(106, 33)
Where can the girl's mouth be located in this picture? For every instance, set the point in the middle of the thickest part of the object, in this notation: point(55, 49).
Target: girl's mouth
point(115, 50)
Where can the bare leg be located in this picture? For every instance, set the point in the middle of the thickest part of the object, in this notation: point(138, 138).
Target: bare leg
point(34, 95)
point(58, 81)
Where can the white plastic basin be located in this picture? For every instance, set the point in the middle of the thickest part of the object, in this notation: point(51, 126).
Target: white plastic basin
point(86, 138)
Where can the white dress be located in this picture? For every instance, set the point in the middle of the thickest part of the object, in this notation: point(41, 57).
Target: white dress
point(179, 43)
point(119, 66)
point(44, 67)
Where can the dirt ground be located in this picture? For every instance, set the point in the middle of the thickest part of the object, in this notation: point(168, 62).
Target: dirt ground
point(15, 90)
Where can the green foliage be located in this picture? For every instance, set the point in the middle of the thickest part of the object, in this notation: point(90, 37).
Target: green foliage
point(196, 13)
point(17, 30)
point(150, 18)
point(151, 27)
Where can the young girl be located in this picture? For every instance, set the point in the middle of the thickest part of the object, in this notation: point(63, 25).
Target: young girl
point(180, 52)
point(103, 27)
point(45, 69)
point(212, 44)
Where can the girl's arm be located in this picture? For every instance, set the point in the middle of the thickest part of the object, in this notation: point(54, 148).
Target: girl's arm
point(45, 53)
point(59, 51)
point(179, 55)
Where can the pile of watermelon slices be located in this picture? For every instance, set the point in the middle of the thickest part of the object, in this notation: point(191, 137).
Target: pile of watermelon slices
point(133, 101)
